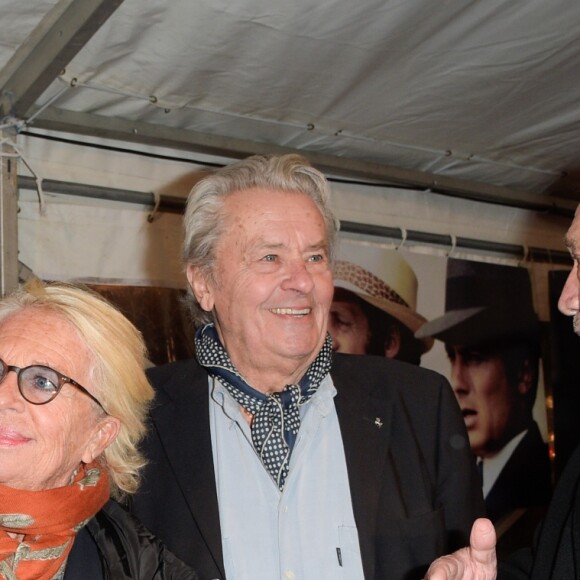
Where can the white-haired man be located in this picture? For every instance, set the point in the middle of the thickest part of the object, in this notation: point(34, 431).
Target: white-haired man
point(269, 455)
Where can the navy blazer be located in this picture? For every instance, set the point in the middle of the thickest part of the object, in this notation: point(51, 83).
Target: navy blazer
point(414, 487)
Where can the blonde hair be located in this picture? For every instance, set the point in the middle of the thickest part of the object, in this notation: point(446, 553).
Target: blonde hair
point(117, 373)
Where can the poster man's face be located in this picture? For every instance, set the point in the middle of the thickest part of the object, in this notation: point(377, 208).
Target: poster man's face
point(486, 398)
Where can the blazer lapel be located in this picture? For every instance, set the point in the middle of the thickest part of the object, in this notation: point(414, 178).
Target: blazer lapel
point(181, 418)
point(365, 421)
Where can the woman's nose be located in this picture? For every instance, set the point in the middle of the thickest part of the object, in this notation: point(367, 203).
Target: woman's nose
point(10, 396)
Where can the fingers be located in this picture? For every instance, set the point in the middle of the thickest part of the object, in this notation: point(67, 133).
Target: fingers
point(478, 562)
point(446, 568)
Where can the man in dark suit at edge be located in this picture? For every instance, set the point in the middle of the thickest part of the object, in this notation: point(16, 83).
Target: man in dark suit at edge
point(554, 554)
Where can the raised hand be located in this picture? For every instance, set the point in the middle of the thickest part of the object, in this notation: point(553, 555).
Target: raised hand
point(476, 562)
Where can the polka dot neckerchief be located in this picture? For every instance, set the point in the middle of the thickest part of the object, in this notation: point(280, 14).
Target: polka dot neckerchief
point(277, 416)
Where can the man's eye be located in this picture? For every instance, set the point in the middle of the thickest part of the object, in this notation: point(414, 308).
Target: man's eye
point(269, 258)
point(339, 321)
point(316, 258)
point(473, 358)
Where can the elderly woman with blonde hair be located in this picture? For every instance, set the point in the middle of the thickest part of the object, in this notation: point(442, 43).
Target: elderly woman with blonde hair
point(73, 401)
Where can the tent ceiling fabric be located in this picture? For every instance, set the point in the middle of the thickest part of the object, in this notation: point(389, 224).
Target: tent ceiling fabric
point(478, 91)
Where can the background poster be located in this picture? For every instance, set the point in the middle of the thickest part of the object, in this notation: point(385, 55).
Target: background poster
point(431, 276)
point(499, 373)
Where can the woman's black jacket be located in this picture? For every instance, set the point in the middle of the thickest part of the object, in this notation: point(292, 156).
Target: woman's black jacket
point(116, 546)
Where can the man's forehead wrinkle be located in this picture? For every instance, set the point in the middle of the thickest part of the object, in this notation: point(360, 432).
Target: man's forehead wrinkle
point(262, 241)
point(265, 243)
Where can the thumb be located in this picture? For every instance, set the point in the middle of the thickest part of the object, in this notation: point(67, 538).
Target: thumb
point(482, 541)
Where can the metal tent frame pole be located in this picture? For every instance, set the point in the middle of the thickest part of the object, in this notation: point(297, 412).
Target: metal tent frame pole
point(176, 205)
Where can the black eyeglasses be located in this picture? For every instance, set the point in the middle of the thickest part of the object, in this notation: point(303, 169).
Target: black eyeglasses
point(39, 384)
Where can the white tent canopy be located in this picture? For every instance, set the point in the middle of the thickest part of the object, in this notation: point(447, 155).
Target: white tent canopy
point(458, 119)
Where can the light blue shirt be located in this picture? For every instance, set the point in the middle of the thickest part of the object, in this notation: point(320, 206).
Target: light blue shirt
point(306, 532)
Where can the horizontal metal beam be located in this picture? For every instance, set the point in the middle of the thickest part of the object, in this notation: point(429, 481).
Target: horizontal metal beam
point(176, 204)
point(158, 135)
point(167, 203)
point(48, 50)
point(531, 254)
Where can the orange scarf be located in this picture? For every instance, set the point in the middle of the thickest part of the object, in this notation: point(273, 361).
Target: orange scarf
point(49, 520)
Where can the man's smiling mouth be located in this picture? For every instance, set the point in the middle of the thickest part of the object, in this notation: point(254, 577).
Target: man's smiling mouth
point(291, 311)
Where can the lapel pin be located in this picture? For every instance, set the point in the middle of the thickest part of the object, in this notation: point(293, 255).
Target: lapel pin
point(378, 422)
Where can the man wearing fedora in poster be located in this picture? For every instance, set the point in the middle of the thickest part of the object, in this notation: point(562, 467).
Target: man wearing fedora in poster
point(374, 309)
point(492, 338)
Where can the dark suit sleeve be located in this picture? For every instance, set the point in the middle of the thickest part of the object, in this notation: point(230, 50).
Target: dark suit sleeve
point(439, 487)
point(458, 486)
point(414, 484)
point(177, 499)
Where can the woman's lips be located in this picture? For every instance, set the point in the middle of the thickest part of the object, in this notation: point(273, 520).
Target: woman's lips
point(11, 438)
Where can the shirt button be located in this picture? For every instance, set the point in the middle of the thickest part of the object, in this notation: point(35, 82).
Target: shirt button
point(289, 575)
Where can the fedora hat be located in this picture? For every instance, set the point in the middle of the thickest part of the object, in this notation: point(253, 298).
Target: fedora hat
point(382, 278)
point(484, 302)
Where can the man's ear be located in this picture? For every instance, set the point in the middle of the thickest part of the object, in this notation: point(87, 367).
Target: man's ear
point(104, 434)
point(393, 342)
point(200, 287)
point(525, 378)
